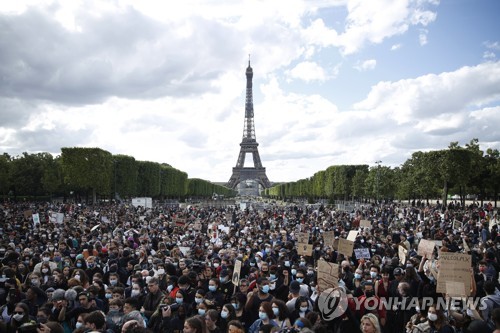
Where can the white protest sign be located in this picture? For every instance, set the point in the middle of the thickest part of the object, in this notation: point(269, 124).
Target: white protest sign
point(454, 267)
point(236, 273)
point(36, 219)
point(362, 253)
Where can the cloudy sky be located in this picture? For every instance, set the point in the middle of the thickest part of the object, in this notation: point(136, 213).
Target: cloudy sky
point(335, 81)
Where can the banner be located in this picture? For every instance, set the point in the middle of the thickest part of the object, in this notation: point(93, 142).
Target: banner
point(346, 247)
point(328, 275)
point(454, 267)
point(426, 248)
point(304, 249)
point(363, 253)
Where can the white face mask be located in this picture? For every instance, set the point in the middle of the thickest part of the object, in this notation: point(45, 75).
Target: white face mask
point(18, 317)
point(432, 316)
point(134, 292)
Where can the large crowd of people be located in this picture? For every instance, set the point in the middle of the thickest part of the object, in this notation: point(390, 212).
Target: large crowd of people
point(116, 268)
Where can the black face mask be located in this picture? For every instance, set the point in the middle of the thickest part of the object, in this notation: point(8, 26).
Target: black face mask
point(369, 293)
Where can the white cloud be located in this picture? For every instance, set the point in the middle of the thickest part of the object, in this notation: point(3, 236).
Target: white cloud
point(416, 100)
point(488, 55)
point(308, 71)
point(395, 47)
point(492, 45)
point(366, 65)
point(422, 37)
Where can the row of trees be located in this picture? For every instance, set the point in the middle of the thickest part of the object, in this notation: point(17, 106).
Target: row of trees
point(83, 171)
point(426, 175)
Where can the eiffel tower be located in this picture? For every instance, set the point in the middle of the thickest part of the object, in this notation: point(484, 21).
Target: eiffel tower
point(249, 145)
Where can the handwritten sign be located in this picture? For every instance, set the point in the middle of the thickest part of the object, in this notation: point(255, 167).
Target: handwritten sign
point(426, 248)
point(180, 222)
point(328, 238)
point(345, 247)
point(365, 224)
point(457, 225)
point(454, 267)
point(328, 275)
point(304, 249)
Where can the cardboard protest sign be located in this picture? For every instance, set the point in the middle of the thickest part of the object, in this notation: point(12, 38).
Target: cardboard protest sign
point(236, 273)
point(454, 267)
point(28, 214)
point(426, 248)
point(352, 235)
point(365, 224)
point(185, 250)
point(303, 237)
point(328, 238)
point(36, 218)
point(328, 275)
point(466, 246)
point(402, 253)
point(363, 253)
point(455, 289)
point(345, 247)
point(304, 249)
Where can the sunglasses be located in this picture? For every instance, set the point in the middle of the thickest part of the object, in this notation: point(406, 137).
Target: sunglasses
point(21, 313)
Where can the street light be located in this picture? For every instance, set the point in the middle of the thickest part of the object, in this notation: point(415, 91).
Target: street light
point(378, 177)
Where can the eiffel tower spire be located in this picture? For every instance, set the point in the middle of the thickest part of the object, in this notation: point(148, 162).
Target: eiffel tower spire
point(249, 145)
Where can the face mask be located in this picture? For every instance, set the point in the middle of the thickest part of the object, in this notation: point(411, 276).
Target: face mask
point(294, 272)
point(287, 263)
point(310, 273)
point(262, 315)
point(179, 300)
point(108, 296)
point(78, 264)
point(357, 276)
point(432, 316)
point(272, 286)
point(161, 271)
point(46, 259)
point(113, 282)
point(265, 289)
point(90, 265)
point(216, 264)
point(272, 276)
point(222, 280)
point(373, 275)
point(417, 309)
point(303, 308)
point(235, 306)
point(302, 263)
point(276, 311)
point(45, 270)
point(35, 282)
point(212, 288)
point(18, 317)
point(78, 325)
point(77, 276)
point(150, 261)
point(224, 314)
point(252, 264)
point(198, 300)
point(300, 280)
point(113, 311)
point(170, 287)
point(134, 292)
point(41, 320)
point(57, 258)
point(201, 312)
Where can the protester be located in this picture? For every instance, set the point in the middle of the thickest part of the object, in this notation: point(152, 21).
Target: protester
point(160, 272)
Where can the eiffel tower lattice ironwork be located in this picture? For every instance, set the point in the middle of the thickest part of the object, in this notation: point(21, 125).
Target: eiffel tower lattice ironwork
point(249, 145)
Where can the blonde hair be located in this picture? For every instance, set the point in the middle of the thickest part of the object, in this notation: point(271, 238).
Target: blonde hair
point(373, 319)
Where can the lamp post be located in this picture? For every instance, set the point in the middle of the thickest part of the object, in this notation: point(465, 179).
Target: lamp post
point(378, 177)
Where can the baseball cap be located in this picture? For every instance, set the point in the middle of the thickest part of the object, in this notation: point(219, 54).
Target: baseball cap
point(398, 271)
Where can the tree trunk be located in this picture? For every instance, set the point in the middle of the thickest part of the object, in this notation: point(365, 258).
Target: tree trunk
point(445, 194)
